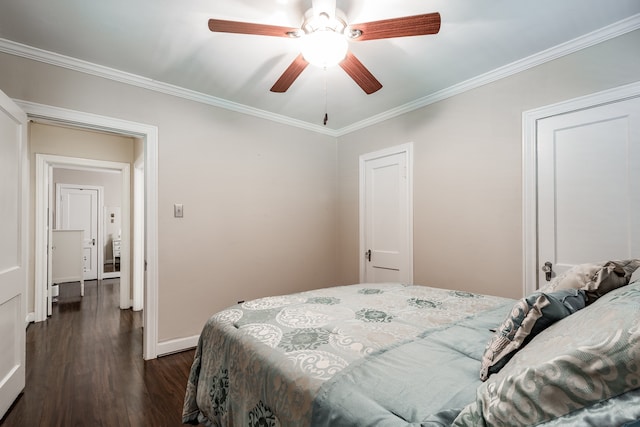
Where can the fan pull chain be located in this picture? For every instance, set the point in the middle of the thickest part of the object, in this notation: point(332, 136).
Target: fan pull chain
point(326, 114)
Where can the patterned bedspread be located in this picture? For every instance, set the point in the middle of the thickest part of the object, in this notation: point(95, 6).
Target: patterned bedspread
point(383, 354)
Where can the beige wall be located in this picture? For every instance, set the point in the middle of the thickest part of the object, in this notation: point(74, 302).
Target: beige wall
point(259, 210)
point(271, 209)
point(468, 175)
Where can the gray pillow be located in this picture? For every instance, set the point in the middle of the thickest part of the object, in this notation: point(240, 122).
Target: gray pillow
point(529, 317)
point(635, 276)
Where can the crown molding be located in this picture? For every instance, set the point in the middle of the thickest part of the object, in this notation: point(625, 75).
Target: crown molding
point(606, 33)
point(29, 52)
point(598, 36)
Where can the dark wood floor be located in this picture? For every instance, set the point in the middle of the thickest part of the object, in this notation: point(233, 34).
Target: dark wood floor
point(84, 367)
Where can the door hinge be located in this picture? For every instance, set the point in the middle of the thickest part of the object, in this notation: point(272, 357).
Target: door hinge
point(367, 255)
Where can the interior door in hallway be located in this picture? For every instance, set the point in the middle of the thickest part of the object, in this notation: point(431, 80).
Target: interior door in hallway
point(13, 254)
point(589, 186)
point(77, 209)
point(386, 216)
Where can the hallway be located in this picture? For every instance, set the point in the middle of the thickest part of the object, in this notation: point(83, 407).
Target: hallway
point(84, 367)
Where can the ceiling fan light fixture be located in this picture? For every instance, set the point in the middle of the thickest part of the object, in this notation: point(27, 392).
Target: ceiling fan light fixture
point(324, 48)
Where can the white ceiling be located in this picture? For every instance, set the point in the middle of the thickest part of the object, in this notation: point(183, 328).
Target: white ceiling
point(167, 42)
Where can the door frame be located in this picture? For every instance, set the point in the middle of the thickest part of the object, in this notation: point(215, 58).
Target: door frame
point(407, 150)
point(45, 163)
point(530, 266)
point(149, 136)
point(100, 218)
point(137, 268)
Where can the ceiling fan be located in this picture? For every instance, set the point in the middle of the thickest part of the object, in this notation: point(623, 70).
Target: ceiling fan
point(325, 33)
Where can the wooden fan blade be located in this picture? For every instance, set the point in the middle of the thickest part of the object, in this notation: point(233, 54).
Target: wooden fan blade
point(360, 74)
point(418, 25)
point(290, 75)
point(222, 26)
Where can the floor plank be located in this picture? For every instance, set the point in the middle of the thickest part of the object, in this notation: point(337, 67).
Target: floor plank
point(84, 367)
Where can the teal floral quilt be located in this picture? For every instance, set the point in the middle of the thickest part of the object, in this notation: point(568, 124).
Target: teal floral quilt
point(383, 354)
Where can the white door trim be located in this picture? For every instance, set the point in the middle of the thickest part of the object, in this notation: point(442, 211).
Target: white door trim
point(407, 150)
point(137, 278)
point(529, 167)
point(44, 164)
point(149, 134)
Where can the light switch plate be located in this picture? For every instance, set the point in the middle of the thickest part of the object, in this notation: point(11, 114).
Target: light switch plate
point(178, 210)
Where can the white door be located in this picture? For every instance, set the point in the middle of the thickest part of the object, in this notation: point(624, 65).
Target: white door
point(78, 210)
point(589, 186)
point(386, 239)
point(13, 243)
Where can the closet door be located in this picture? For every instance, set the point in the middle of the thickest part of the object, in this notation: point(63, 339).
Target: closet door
point(386, 216)
point(589, 186)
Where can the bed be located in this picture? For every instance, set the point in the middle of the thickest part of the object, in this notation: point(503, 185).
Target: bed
point(405, 355)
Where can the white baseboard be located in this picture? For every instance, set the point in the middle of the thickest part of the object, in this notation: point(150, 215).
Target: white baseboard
point(174, 346)
point(31, 317)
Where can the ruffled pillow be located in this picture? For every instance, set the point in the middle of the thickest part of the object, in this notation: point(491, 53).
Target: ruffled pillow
point(529, 317)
